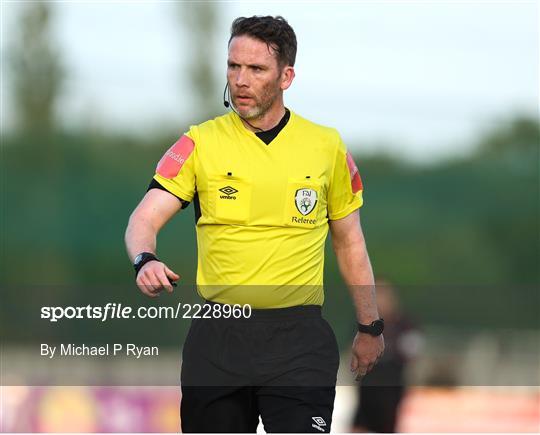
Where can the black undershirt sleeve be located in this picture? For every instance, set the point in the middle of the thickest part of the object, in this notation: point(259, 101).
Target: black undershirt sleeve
point(155, 185)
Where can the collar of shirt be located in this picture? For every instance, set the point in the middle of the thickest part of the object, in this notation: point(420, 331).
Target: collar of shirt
point(269, 135)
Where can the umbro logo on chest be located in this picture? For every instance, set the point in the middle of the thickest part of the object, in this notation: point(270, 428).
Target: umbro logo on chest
point(228, 192)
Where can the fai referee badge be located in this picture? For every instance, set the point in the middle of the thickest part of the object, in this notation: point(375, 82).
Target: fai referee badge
point(305, 200)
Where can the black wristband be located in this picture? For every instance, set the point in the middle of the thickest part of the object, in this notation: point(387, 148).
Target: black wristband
point(374, 329)
point(142, 259)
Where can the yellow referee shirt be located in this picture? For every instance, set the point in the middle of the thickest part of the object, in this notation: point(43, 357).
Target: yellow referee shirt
point(264, 208)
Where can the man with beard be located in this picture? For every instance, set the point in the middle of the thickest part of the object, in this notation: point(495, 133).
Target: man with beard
point(266, 185)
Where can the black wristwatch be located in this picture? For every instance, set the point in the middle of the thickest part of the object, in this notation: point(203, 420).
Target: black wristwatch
point(374, 328)
point(142, 259)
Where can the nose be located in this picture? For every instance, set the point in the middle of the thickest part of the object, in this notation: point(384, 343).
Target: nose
point(241, 79)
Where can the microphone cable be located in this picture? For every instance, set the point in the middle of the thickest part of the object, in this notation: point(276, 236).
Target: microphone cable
point(228, 104)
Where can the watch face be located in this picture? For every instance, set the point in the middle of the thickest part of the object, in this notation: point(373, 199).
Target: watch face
point(138, 259)
point(378, 327)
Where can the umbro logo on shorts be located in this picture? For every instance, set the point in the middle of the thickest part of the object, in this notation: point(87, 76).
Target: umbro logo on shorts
point(229, 192)
point(319, 421)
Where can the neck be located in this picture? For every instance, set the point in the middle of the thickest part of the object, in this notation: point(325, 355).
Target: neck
point(267, 120)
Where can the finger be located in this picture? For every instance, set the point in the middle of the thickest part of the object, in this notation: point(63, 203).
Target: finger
point(363, 366)
point(359, 375)
point(152, 281)
point(171, 281)
point(148, 273)
point(164, 281)
point(149, 287)
point(363, 369)
point(354, 363)
point(174, 276)
point(144, 287)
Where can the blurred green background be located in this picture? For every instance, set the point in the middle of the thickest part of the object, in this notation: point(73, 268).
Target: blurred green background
point(458, 236)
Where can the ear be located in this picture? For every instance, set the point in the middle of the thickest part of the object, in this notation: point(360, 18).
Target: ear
point(287, 76)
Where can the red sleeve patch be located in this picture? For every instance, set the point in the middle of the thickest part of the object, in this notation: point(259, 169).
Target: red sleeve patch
point(172, 161)
point(356, 181)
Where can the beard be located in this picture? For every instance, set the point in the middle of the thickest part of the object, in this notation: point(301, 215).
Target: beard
point(261, 104)
point(258, 110)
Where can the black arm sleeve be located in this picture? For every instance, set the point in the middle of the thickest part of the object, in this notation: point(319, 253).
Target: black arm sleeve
point(155, 185)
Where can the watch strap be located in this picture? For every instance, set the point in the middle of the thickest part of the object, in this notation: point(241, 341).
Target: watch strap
point(375, 328)
point(145, 257)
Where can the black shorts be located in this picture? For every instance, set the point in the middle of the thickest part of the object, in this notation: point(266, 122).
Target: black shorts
point(280, 364)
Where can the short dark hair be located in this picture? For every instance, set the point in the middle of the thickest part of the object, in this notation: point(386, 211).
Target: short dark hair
point(275, 31)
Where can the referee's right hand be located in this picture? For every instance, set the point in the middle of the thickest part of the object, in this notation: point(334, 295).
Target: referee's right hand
point(154, 277)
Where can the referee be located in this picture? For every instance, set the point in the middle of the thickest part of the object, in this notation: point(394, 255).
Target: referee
point(266, 185)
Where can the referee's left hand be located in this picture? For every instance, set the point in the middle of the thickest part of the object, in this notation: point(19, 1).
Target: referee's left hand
point(366, 351)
